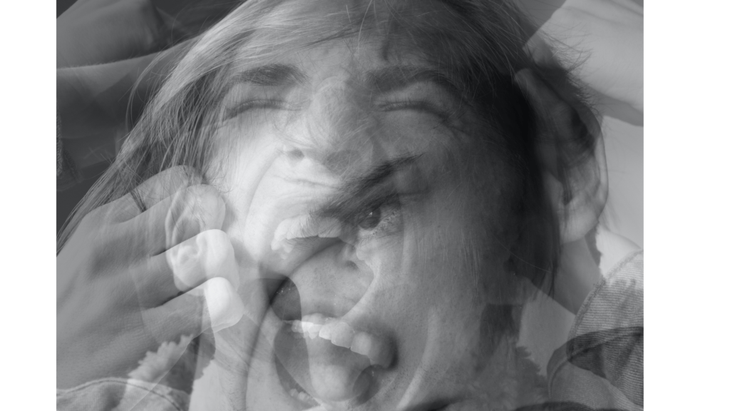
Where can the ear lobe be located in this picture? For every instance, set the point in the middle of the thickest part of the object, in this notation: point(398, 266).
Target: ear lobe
point(570, 150)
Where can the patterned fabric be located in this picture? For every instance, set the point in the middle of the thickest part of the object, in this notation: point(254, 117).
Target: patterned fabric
point(602, 364)
point(121, 395)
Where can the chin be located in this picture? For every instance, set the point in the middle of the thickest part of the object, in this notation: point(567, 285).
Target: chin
point(280, 359)
point(509, 380)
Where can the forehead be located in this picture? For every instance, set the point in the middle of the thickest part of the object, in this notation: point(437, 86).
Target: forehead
point(352, 92)
point(361, 67)
point(392, 31)
point(341, 59)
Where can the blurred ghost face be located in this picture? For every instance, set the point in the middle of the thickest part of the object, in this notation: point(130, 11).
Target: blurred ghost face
point(349, 176)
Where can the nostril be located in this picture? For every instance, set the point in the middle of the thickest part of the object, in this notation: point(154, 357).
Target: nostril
point(352, 261)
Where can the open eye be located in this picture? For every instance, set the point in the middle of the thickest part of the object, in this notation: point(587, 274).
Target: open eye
point(370, 220)
point(378, 221)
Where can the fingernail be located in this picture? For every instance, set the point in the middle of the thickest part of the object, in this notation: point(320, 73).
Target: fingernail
point(207, 255)
point(217, 257)
point(225, 308)
point(184, 261)
point(202, 210)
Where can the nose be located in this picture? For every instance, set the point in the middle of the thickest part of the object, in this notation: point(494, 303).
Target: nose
point(335, 131)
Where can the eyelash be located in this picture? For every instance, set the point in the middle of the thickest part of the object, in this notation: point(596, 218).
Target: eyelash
point(388, 216)
point(239, 109)
point(417, 105)
point(385, 208)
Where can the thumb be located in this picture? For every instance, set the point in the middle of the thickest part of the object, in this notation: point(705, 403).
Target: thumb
point(213, 305)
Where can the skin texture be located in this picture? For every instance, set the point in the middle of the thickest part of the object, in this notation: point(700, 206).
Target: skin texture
point(117, 293)
point(411, 279)
point(416, 273)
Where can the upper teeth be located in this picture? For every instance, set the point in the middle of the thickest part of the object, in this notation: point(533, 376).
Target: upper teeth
point(339, 333)
point(302, 227)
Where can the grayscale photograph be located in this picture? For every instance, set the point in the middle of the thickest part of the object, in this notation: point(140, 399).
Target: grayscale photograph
point(362, 205)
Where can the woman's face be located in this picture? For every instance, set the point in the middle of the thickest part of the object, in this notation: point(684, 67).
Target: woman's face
point(348, 175)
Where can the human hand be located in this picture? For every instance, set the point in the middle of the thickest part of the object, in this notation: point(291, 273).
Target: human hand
point(102, 31)
point(613, 248)
point(128, 281)
point(602, 40)
point(103, 48)
point(98, 100)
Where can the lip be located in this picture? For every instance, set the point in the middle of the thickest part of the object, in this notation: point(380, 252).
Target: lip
point(335, 374)
point(287, 384)
point(312, 288)
point(298, 356)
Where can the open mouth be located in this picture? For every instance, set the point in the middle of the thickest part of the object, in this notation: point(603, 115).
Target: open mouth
point(325, 354)
point(303, 399)
point(321, 359)
point(314, 370)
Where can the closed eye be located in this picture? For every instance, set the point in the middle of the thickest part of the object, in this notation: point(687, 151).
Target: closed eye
point(415, 105)
point(259, 104)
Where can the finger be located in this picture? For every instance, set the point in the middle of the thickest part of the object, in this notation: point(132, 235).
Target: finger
point(186, 266)
point(151, 192)
point(614, 10)
point(213, 305)
point(176, 30)
point(194, 210)
point(205, 256)
point(159, 187)
point(92, 98)
point(181, 216)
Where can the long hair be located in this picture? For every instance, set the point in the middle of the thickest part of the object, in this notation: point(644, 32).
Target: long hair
point(480, 43)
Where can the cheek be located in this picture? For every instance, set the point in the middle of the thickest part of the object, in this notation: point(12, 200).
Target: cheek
point(240, 167)
point(460, 258)
point(263, 187)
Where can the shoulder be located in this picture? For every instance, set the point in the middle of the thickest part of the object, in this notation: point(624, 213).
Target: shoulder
point(602, 364)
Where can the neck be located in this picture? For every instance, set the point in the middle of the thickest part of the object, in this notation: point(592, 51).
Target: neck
point(578, 275)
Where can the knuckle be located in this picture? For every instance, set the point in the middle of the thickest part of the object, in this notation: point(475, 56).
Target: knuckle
point(199, 208)
point(183, 175)
point(217, 251)
point(189, 173)
point(205, 196)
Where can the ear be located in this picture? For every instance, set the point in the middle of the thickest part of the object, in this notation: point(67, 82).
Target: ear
point(570, 149)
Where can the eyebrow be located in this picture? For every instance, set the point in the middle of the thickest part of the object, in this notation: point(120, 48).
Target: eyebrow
point(271, 75)
point(381, 173)
point(358, 188)
point(394, 78)
point(383, 80)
